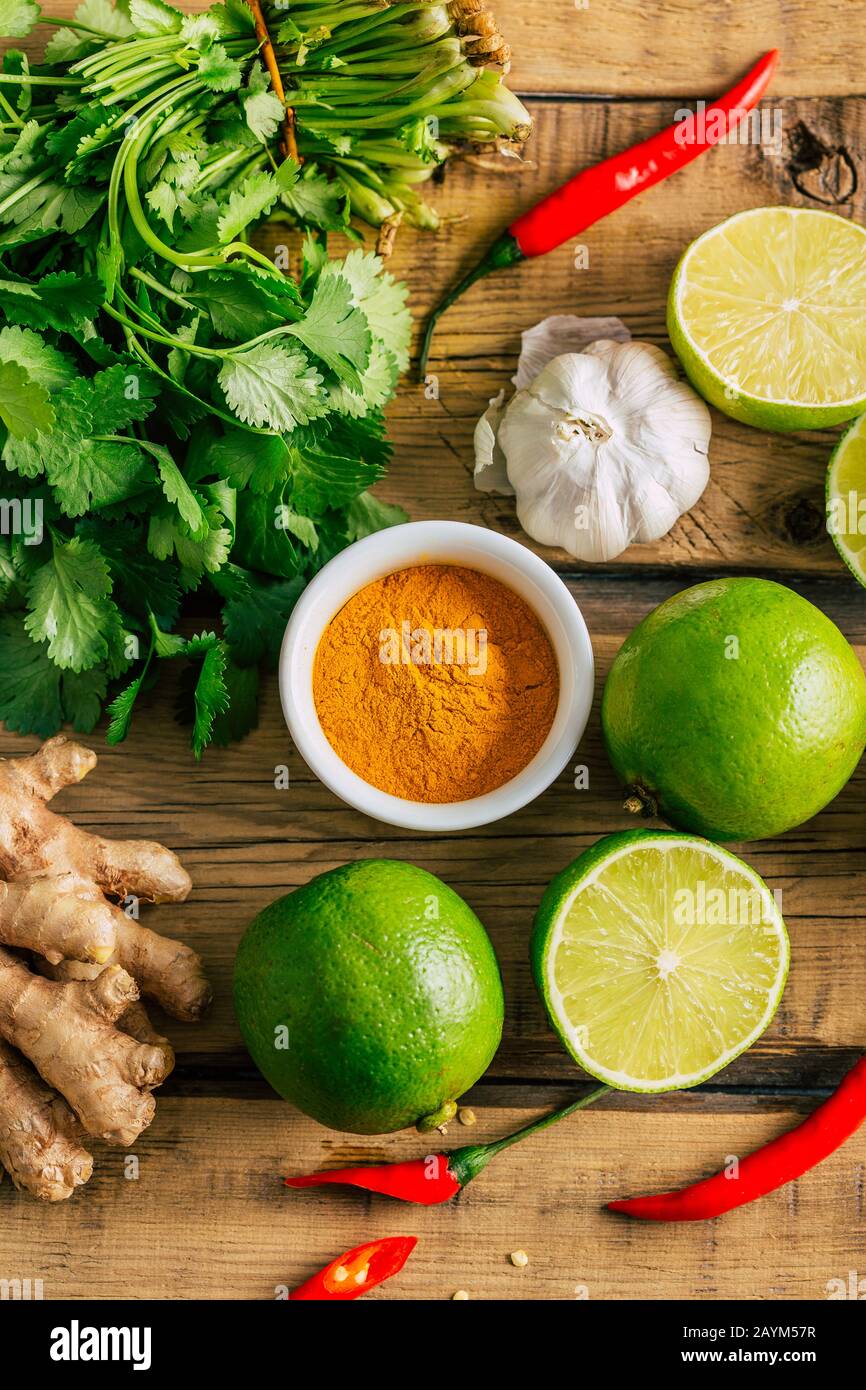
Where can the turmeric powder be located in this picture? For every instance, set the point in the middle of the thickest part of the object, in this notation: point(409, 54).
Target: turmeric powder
point(436, 683)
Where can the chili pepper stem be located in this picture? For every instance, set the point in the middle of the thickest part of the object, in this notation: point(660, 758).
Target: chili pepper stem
point(466, 1163)
point(504, 252)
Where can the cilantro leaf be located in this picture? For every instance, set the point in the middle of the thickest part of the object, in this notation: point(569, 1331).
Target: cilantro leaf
point(259, 542)
point(152, 19)
point(66, 45)
point(36, 697)
point(271, 386)
point(255, 622)
point(322, 479)
point(378, 384)
point(263, 109)
point(242, 303)
point(25, 407)
point(365, 515)
point(17, 18)
point(247, 204)
point(61, 300)
point(211, 696)
point(121, 707)
point(49, 368)
point(180, 494)
point(208, 696)
point(120, 396)
point(257, 461)
point(317, 201)
point(218, 71)
point(335, 330)
point(242, 714)
point(382, 298)
point(167, 536)
point(69, 605)
point(80, 140)
point(95, 474)
point(233, 17)
point(142, 585)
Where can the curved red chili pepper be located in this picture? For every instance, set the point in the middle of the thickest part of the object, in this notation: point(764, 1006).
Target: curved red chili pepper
point(423, 1180)
point(604, 187)
point(601, 189)
point(777, 1163)
point(358, 1271)
point(438, 1177)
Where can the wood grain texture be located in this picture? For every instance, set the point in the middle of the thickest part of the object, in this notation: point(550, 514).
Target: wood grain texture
point(681, 47)
point(208, 1217)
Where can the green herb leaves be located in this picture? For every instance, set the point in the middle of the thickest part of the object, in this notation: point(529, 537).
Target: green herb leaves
point(17, 18)
point(69, 605)
point(177, 413)
point(272, 387)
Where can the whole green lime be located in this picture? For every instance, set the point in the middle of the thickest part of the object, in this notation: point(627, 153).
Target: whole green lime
point(370, 997)
point(735, 710)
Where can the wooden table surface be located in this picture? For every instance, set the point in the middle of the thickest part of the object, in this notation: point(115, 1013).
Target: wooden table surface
point(207, 1216)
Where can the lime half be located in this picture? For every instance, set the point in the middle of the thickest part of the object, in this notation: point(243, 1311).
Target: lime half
point(846, 498)
point(660, 957)
point(767, 313)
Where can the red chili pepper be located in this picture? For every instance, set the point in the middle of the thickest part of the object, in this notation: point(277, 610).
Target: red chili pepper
point(439, 1177)
point(604, 187)
point(359, 1270)
point(781, 1161)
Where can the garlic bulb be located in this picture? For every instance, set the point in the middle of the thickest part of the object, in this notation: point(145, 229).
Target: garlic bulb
point(603, 448)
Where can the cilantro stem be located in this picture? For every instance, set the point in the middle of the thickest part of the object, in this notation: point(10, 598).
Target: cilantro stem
point(28, 80)
point(76, 24)
point(167, 340)
point(13, 114)
point(157, 285)
point(208, 407)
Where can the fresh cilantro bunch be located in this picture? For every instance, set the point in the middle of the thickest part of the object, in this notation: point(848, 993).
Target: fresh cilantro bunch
point(183, 425)
point(384, 92)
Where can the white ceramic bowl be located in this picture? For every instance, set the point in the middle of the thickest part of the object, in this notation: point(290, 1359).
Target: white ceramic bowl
point(431, 543)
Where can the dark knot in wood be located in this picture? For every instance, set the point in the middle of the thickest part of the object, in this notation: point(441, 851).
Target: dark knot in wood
point(823, 173)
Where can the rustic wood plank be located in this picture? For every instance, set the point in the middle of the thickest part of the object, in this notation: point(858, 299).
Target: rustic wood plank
point(618, 49)
point(246, 843)
point(673, 47)
point(210, 1213)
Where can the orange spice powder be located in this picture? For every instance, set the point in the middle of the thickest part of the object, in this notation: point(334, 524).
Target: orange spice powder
point(436, 683)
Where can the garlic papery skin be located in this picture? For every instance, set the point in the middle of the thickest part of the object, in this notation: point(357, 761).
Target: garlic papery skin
point(605, 447)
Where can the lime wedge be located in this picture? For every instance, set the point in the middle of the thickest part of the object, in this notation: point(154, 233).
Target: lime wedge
point(846, 498)
point(660, 957)
point(767, 313)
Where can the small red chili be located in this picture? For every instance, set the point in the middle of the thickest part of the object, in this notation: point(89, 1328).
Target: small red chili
point(777, 1163)
point(438, 1177)
point(604, 187)
point(422, 1180)
point(359, 1270)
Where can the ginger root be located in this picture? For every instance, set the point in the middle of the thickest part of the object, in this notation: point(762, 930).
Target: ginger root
point(40, 1145)
point(68, 1032)
point(79, 1021)
point(34, 841)
point(57, 917)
